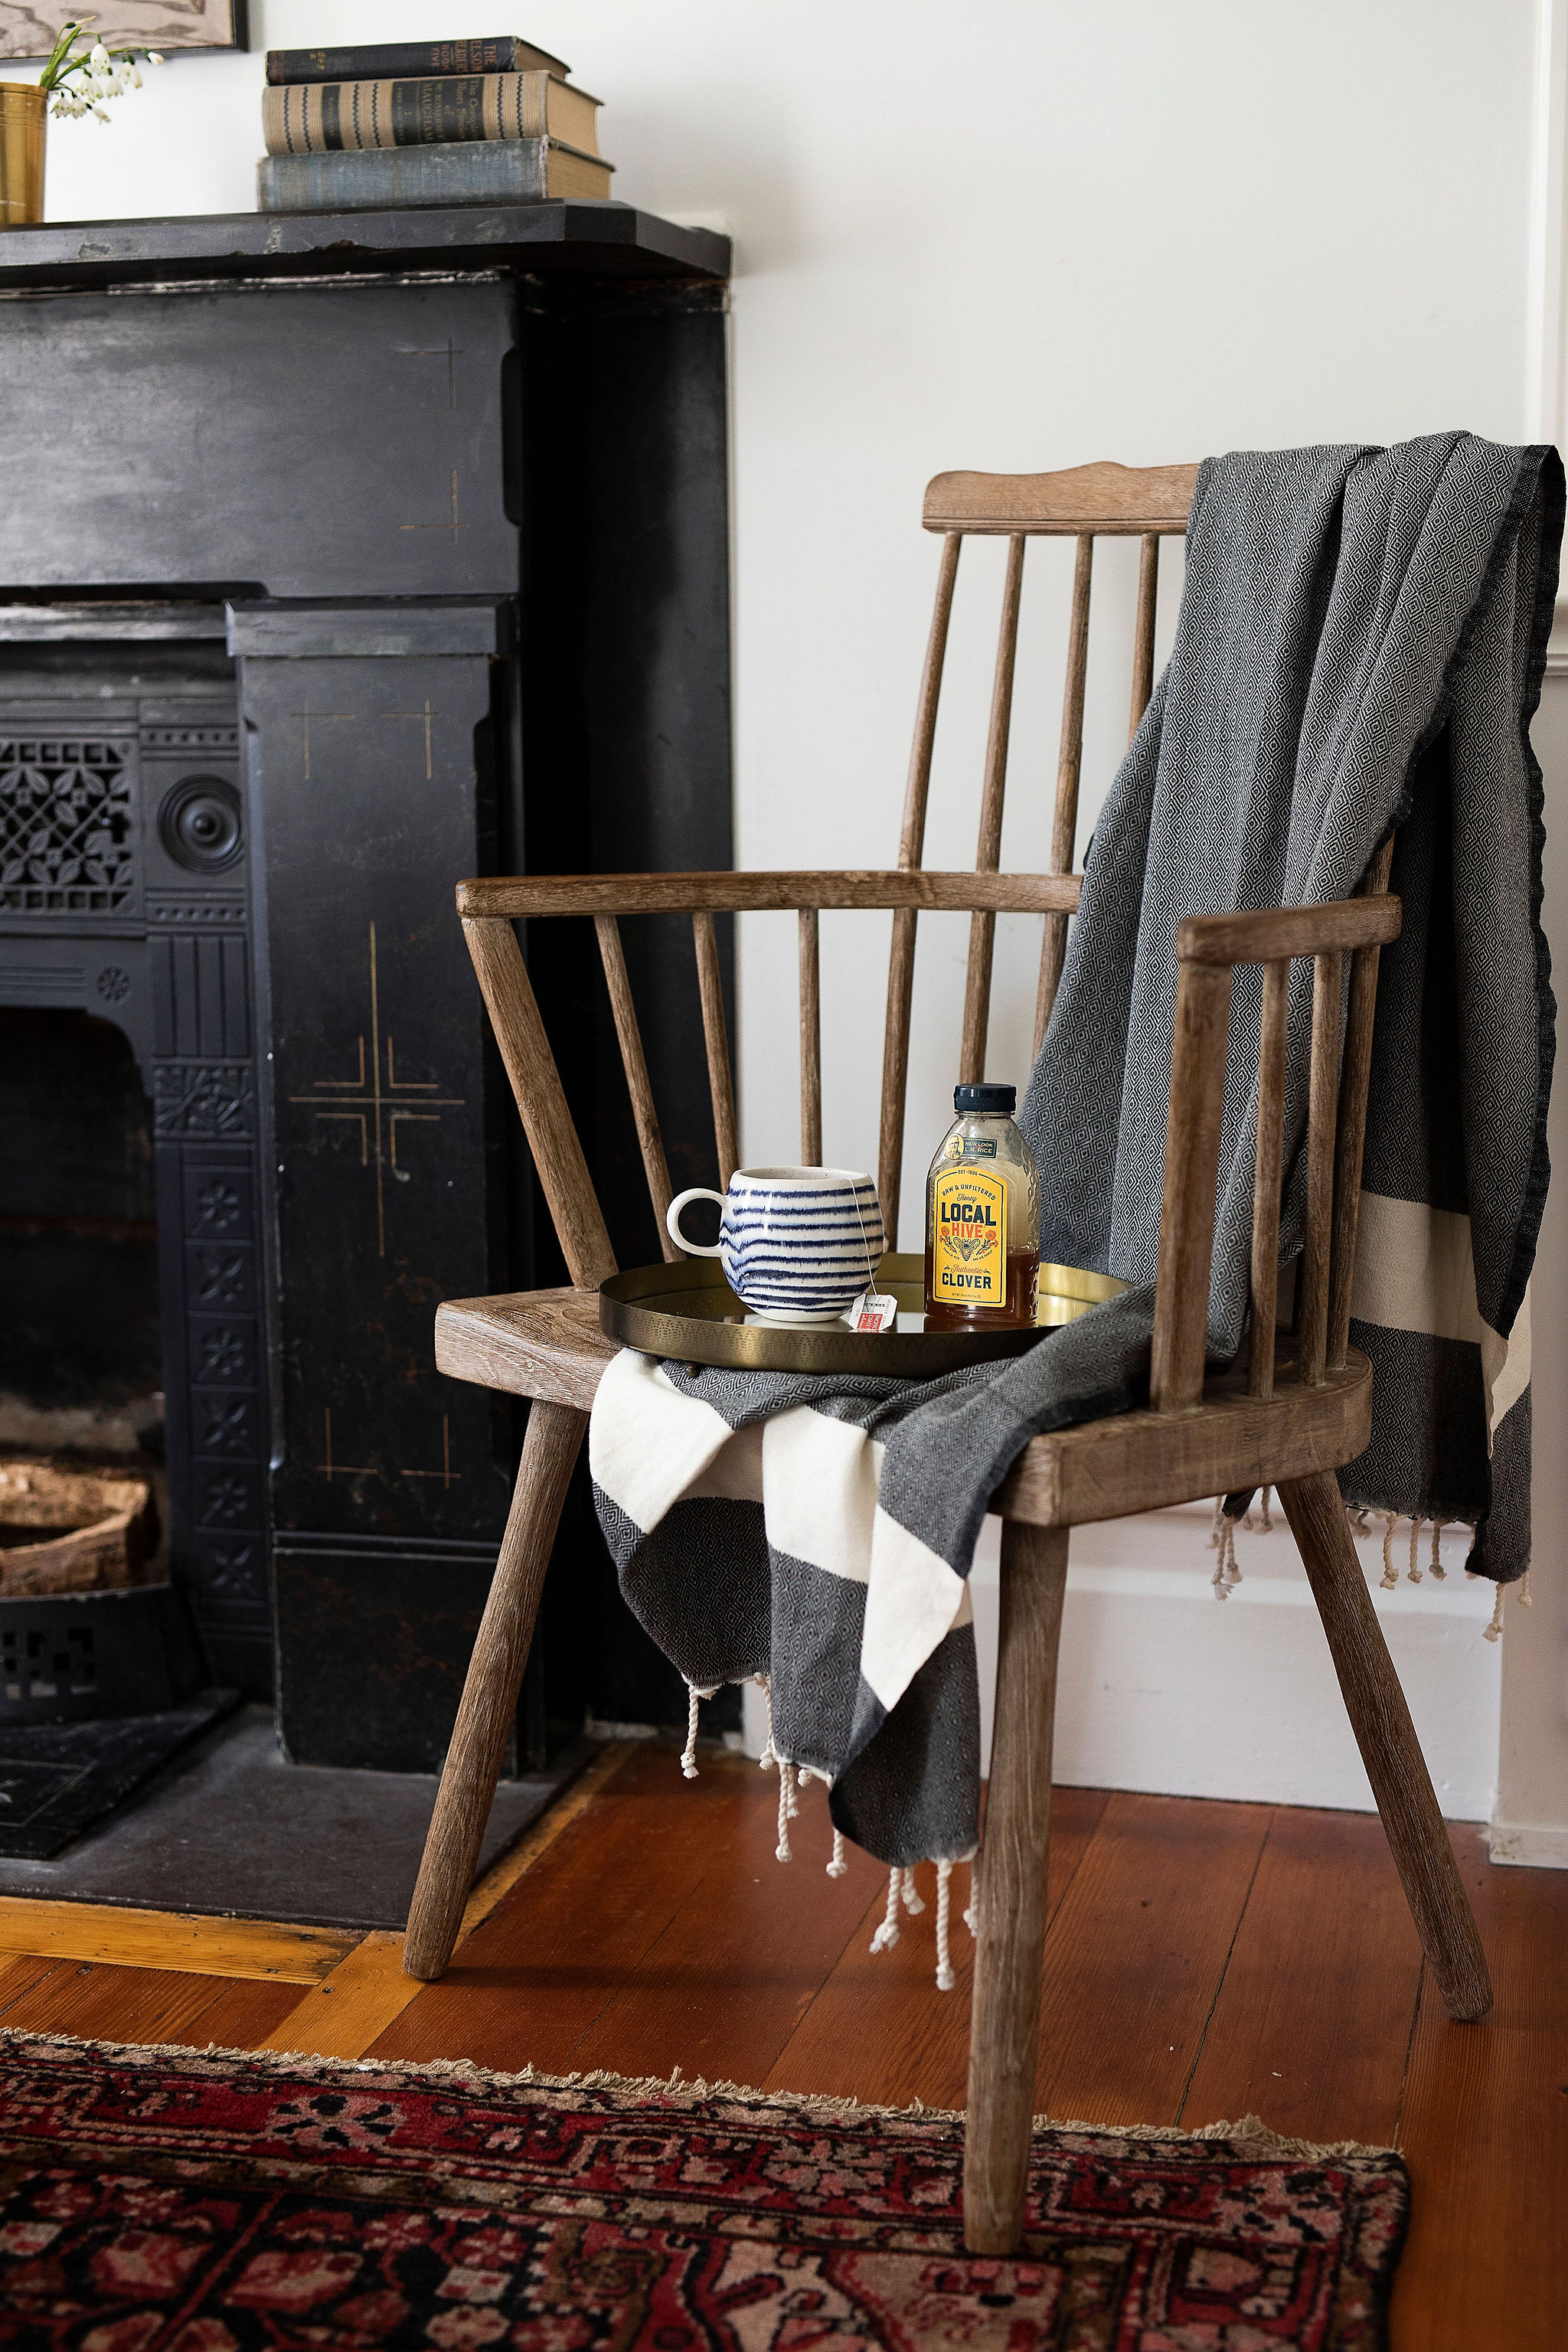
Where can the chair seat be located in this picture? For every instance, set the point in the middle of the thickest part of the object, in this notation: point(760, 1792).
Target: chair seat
point(535, 1343)
point(547, 1343)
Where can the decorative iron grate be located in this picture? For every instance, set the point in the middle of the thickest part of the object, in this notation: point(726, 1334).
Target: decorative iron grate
point(47, 1663)
point(66, 825)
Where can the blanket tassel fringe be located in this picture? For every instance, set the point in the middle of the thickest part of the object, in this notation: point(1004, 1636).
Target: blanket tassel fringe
point(694, 1698)
point(903, 1892)
point(1227, 1572)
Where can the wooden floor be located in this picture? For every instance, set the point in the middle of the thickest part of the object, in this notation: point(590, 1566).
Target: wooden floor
point(1204, 1960)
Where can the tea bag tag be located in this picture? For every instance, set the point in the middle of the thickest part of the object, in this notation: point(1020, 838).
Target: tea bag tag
point(874, 1310)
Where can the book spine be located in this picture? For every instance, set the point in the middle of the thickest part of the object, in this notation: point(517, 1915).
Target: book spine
point(322, 119)
point(480, 171)
point(380, 59)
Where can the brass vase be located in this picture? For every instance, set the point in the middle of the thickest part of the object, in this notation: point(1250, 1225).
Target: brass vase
point(23, 121)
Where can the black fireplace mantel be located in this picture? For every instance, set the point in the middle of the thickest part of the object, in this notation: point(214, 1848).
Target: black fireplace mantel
point(438, 500)
point(581, 239)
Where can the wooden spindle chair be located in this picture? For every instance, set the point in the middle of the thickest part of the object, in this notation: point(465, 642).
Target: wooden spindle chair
point(1289, 1417)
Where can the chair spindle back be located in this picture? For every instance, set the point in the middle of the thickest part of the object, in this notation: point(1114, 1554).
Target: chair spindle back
point(1149, 503)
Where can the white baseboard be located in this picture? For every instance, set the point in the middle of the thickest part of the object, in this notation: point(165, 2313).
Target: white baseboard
point(1530, 1844)
point(1163, 1688)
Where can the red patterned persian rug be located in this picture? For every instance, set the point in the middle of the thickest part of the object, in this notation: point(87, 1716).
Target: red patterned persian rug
point(177, 2201)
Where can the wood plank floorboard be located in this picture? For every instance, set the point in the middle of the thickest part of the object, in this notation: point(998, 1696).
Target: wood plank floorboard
point(100, 2002)
point(243, 2016)
point(721, 1991)
point(528, 1984)
point(1485, 2133)
point(879, 2030)
point(341, 2016)
point(17, 1977)
point(201, 1944)
point(1312, 2023)
point(1137, 1954)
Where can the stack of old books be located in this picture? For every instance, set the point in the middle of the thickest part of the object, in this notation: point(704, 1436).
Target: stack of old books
point(425, 122)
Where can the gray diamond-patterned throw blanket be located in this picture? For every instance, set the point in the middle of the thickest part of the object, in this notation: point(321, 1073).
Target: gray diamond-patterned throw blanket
point(1361, 644)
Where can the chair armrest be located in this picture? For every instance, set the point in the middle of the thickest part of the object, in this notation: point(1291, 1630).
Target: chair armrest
point(516, 894)
point(1271, 934)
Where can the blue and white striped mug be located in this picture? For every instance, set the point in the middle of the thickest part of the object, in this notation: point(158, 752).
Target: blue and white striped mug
point(797, 1244)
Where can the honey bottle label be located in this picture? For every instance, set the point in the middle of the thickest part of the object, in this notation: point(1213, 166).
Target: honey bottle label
point(969, 1242)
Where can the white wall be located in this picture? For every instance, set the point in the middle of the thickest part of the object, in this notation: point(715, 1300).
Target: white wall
point(1016, 236)
point(1531, 1811)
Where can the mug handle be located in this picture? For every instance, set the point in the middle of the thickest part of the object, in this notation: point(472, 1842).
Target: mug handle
point(672, 1221)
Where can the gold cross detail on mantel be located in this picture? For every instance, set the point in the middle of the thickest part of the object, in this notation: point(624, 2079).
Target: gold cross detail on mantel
point(330, 1469)
point(322, 718)
point(453, 525)
point(446, 1474)
point(378, 1109)
point(449, 351)
point(426, 714)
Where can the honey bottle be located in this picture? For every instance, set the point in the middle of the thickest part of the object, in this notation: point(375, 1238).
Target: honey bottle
point(983, 1219)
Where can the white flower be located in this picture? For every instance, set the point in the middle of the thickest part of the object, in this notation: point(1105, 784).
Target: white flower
point(89, 81)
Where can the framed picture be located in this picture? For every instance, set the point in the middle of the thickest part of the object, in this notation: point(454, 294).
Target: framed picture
point(28, 28)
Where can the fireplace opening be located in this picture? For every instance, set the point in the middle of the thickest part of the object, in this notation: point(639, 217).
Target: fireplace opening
point(100, 1676)
point(81, 1352)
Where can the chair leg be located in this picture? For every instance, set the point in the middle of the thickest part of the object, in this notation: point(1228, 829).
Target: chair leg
point(1003, 2030)
point(549, 1450)
point(1389, 1747)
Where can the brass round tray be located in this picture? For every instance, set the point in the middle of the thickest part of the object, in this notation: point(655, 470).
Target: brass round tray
point(687, 1311)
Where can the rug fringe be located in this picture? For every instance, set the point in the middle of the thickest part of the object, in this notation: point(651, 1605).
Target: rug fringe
point(1249, 2132)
